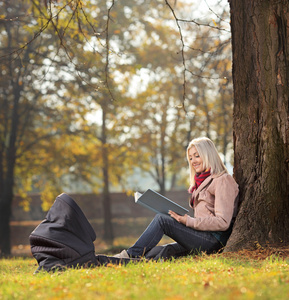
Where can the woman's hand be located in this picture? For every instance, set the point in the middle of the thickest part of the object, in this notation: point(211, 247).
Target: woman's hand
point(179, 218)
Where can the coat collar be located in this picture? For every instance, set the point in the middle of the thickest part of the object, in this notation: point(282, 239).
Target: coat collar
point(207, 181)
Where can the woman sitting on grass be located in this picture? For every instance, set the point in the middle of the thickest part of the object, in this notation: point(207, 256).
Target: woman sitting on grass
point(213, 199)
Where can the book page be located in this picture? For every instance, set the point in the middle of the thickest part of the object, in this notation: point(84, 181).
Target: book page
point(137, 196)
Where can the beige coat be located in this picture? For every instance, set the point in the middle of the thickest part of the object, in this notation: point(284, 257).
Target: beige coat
point(214, 203)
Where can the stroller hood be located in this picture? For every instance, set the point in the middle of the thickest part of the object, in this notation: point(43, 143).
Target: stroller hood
point(64, 238)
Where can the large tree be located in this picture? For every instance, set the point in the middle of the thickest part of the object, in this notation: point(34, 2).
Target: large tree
point(260, 41)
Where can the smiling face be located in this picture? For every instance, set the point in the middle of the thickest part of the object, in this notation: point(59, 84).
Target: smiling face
point(195, 160)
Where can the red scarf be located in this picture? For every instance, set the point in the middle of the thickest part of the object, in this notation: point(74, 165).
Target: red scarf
point(199, 178)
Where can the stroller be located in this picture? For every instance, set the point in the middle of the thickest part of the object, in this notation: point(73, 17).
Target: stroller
point(64, 239)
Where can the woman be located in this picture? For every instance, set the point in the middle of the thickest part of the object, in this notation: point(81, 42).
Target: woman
point(213, 199)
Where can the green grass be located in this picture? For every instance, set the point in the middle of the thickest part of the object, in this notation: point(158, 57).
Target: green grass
point(204, 277)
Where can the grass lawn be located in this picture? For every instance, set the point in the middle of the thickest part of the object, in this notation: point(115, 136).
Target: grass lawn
point(243, 275)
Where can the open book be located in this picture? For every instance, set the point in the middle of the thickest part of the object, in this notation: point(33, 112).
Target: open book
point(158, 203)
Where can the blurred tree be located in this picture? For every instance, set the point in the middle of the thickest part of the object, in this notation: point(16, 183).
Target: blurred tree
point(164, 128)
point(35, 108)
point(17, 111)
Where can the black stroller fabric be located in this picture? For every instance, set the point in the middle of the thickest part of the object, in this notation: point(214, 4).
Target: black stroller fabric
point(65, 239)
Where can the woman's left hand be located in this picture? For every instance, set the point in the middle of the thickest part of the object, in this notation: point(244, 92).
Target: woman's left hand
point(179, 218)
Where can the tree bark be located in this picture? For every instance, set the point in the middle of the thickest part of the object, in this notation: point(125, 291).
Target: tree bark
point(9, 134)
point(5, 207)
point(260, 43)
point(108, 229)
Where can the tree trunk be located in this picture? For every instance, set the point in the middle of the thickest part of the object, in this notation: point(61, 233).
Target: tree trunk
point(7, 184)
point(8, 152)
point(163, 153)
point(5, 207)
point(260, 42)
point(7, 168)
point(108, 229)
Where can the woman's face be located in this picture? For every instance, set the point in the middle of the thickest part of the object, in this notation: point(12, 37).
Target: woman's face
point(195, 160)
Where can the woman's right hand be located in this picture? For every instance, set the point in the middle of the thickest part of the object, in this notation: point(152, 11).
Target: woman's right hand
point(179, 218)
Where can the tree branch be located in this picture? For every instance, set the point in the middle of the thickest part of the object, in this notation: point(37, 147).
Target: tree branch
point(107, 51)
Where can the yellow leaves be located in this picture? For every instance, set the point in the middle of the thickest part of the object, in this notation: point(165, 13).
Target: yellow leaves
point(48, 195)
point(229, 66)
point(224, 81)
point(26, 184)
point(129, 192)
point(25, 202)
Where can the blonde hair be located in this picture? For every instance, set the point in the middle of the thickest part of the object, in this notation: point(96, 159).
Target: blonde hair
point(209, 154)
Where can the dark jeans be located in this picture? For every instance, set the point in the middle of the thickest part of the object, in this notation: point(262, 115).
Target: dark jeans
point(188, 240)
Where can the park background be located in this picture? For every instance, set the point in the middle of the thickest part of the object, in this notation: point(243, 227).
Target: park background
point(102, 103)
point(97, 95)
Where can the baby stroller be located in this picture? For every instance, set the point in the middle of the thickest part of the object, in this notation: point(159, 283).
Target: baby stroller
point(65, 239)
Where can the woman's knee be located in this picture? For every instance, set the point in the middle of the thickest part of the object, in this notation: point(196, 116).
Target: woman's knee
point(164, 220)
point(160, 217)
